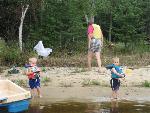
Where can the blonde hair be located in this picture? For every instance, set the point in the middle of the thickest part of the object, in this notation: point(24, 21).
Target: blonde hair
point(33, 60)
point(115, 59)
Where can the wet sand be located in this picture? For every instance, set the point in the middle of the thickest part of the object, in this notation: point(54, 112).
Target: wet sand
point(91, 94)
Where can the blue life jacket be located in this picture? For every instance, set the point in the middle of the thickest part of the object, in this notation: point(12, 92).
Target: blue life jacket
point(117, 68)
point(110, 66)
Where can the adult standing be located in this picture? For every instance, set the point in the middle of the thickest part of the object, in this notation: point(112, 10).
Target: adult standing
point(95, 43)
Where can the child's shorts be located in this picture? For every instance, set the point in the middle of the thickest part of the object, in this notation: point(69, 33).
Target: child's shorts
point(115, 84)
point(34, 83)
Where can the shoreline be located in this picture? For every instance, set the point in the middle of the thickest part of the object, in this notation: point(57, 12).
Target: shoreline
point(78, 84)
point(90, 94)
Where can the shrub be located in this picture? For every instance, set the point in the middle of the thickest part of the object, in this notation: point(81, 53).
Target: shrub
point(45, 80)
point(146, 83)
point(11, 54)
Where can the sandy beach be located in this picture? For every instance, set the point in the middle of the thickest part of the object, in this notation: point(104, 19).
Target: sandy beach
point(78, 84)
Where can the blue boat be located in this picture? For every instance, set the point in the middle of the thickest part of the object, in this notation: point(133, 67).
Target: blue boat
point(13, 97)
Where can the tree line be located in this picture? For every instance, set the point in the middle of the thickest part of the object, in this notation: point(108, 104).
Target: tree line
point(62, 24)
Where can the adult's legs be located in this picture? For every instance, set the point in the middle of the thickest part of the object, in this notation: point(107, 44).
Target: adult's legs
point(90, 54)
point(97, 54)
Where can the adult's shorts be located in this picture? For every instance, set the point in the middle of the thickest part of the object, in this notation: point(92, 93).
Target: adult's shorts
point(95, 45)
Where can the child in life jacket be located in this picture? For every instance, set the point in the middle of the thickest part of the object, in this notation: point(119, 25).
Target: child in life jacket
point(33, 72)
point(116, 74)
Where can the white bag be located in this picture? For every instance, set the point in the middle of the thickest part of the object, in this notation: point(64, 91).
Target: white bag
point(39, 48)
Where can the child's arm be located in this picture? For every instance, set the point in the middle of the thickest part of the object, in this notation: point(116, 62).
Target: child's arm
point(118, 74)
point(39, 71)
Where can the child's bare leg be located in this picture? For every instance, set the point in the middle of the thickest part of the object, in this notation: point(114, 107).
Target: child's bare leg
point(113, 95)
point(116, 94)
point(39, 92)
point(33, 92)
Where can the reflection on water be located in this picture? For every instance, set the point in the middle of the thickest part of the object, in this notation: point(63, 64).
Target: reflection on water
point(101, 107)
point(98, 107)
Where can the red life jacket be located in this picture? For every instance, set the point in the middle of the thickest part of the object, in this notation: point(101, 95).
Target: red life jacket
point(33, 74)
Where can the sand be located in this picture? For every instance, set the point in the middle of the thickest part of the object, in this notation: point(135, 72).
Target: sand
point(78, 84)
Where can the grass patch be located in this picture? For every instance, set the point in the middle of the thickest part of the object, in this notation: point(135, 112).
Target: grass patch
point(79, 70)
point(20, 82)
point(86, 82)
point(11, 55)
point(146, 83)
point(45, 80)
point(89, 82)
point(1, 70)
point(8, 75)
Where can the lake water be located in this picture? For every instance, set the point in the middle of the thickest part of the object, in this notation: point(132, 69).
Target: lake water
point(93, 107)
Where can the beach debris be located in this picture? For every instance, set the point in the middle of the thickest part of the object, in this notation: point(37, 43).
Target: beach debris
point(41, 51)
point(13, 70)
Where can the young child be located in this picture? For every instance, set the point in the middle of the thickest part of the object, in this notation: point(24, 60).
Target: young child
point(33, 72)
point(116, 74)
